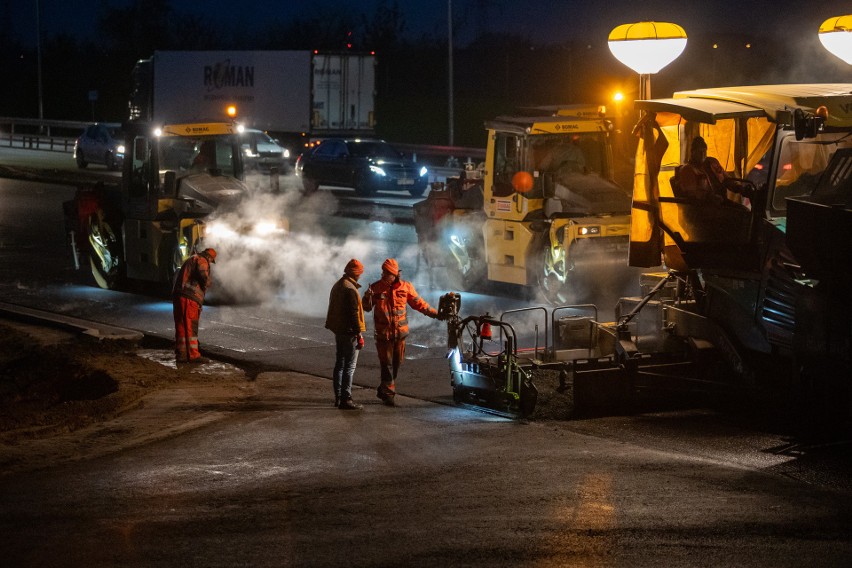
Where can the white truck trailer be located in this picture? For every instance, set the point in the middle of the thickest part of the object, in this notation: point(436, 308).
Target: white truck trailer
point(286, 92)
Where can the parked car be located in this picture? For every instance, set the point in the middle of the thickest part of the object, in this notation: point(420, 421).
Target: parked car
point(262, 152)
point(367, 165)
point(100, 144)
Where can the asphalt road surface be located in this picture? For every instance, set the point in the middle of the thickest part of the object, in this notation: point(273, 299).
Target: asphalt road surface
point(284, 479)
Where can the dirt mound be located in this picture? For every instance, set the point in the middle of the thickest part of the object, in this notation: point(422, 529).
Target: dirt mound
point(69, 382)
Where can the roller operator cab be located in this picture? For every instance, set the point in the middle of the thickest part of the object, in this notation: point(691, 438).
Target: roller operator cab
point(176, 179)
point(543, 210)
point(769, 273)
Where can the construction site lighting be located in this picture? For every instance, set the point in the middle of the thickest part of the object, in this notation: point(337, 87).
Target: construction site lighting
point(835, 34)
point(647, 47)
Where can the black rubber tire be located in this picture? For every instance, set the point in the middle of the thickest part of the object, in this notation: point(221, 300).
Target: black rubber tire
point(556, 292)
point(81, 163)
point(108, 277)
point(362, 188)
point(417, 191)
point(309, 185)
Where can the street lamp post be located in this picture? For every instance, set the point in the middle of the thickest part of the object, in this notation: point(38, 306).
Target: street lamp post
point(647, 47)
point(38, 62)
point(835, 34)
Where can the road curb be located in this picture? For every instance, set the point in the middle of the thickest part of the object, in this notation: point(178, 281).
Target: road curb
point(99, 331)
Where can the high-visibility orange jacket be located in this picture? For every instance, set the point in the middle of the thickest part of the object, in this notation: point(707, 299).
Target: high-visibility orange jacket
point(388, 304)
point(193, 279)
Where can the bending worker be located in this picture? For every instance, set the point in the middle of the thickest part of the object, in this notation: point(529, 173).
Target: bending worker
point(191, 284)
point(346, 320)
point(387, 298)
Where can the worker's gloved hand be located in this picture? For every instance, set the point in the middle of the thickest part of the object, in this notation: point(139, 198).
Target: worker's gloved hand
point(359, 342)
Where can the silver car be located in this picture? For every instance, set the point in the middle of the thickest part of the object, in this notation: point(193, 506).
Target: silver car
point(262, 152)
point(100, 143)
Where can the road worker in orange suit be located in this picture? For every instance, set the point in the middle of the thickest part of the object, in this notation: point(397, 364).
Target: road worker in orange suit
point(387, 299)
point(191, 284)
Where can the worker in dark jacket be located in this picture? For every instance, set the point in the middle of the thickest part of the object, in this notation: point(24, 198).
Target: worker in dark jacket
point(346, 319)
point(191, 284)
point(388, 298)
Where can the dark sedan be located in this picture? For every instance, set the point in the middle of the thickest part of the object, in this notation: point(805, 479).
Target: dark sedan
point(366, 165)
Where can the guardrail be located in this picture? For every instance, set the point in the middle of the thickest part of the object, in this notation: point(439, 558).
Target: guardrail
point(35, 134)
point(59, 136)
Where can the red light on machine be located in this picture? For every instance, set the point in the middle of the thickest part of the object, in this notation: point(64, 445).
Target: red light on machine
point(485, 331)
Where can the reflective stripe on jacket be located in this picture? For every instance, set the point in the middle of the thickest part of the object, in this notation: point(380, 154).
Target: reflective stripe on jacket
point(345, 314)
point(388, 304)
point(193, 279)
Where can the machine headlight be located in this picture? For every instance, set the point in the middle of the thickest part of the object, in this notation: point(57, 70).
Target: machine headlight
point(595, 230)
point(266, 228)
point(248, 153)
point(423, 171)
point(119, 149)
point(285, 153)
point(377, 170)
point(220, 230)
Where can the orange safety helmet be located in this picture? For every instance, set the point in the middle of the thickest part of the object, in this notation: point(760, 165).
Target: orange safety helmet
point(210, 254)
point(390, 266)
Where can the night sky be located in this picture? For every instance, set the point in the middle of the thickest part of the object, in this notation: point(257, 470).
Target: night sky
point(544, 21)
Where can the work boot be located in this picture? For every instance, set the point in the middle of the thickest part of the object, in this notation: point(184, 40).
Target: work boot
point(389, 400)
point(336, 401)
point(349, 404)
point(199, 360)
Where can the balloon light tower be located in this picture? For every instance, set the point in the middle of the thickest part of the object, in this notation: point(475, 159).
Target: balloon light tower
point(647, 47)
point(835, 34)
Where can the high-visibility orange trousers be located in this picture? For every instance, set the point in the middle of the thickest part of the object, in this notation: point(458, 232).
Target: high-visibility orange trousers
point(391, 355)
point(187, 314)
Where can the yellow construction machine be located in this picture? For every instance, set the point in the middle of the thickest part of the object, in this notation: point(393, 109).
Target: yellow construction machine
point(176, 179)
point(543, 210)
point(752, 292)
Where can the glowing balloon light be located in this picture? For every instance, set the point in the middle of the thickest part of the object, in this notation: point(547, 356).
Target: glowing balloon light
point(836, 36)
point(647, 47)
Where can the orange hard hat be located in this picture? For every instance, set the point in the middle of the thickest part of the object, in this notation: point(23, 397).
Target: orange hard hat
point(210, 254)
point(390, 266)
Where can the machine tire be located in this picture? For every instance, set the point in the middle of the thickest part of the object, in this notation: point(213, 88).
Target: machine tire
point(81, 163)
point(467, 270)
point(104, 253)
point(556, 290)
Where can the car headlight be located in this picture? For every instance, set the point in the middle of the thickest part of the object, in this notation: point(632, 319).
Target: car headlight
point(248, 153)
point(119, 149)
point(423, 171)
point(285, 153)
point(378, 171)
